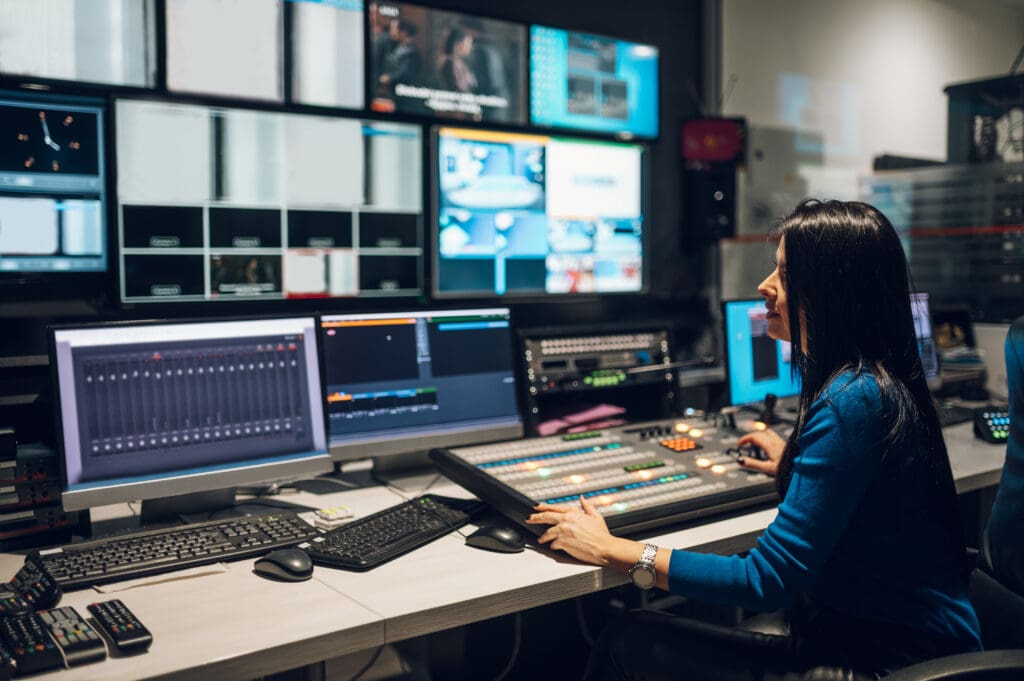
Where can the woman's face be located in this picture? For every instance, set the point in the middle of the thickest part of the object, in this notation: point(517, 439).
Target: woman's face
point(464, 46)
point(773, 288)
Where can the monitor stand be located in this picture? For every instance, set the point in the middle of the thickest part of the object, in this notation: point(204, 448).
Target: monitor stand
point(201, 506)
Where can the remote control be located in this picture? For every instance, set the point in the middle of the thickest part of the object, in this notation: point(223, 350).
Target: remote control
point(8, 666)
point(121, 626)
point(36, 584)
point(77, 640)
point(12, 602)
point(30, 644)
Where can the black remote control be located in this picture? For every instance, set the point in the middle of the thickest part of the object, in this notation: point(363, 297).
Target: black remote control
point(30, 644)
point(12, 602)
point(36, 584)
point(77, 640)
point(121, 626)
point(8, 666)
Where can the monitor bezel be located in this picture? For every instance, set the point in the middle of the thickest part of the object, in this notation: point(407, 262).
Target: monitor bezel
point(725, 351)
point(433, 206)
point(382, 446)
point(318, 462)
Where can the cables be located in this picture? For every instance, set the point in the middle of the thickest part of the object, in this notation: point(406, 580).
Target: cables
point(366, 667)
point(515, 648)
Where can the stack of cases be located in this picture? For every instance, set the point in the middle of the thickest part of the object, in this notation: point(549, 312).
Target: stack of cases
point(31, 513)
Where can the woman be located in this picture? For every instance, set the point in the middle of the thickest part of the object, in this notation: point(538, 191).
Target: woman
point(456, 73)
point(865, 551)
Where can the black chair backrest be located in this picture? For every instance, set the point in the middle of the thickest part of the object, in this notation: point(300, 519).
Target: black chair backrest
point(1000, 612)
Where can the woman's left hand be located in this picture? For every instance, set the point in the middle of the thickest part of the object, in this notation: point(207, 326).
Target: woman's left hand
point(580, 531)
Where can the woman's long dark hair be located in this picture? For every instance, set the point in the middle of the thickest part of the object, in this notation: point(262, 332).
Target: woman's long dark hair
point(848, 299)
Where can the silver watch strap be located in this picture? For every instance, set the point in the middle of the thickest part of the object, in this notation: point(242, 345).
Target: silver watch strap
point(648, 556)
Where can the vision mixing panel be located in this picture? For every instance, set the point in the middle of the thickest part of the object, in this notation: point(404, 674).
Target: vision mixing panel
point(639, 476)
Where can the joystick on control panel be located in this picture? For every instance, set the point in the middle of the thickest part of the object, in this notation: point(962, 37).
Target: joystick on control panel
point(768, 415)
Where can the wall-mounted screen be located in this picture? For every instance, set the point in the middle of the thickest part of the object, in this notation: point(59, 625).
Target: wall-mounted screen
point(52, 186)
point(522, 214)
point(226, 48)
point(593, 83)
point(96, 41)
point(221, 204)
point(327, 52)
point(431, 62)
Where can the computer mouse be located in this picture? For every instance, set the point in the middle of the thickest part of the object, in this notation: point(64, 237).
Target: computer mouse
point(287, 565)
point(497, 538)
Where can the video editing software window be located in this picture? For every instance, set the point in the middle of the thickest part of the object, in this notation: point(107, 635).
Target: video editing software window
point(523, 214)
point(757, 363)
point(410, 376)
point(52, 184)
point(172, 408)
point(222, 204)
point(593, 83)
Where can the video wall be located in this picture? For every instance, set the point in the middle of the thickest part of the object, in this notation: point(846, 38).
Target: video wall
point(295, 164)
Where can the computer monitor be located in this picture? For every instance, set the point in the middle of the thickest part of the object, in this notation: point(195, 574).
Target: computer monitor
point(434, 62)
point(223, 204)
point(401, 383)
point(925, 339)
point(112, 42)
point(327, 52)
point(52, 186)
point(593, 83)
point(533, 215)
point(200, 58)
point(167, 409)
point(756, 363)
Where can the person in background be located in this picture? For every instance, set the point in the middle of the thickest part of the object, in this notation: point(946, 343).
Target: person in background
point(865, 556)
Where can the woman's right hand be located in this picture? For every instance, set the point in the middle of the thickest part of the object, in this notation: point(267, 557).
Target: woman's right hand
point(769, 442)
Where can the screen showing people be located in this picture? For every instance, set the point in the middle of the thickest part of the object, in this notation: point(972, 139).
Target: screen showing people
point(151, 409)
point(437, 63)
point(220, 204)
point(407, 376)
point(523, 214)
point(757, 363)
point(594, 83)
point(52, 185)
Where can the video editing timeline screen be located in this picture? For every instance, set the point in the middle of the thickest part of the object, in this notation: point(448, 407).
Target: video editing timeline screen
point(52, 185)
point(200, 61)
point(406, 377)
point(757, 363)
point(96, 41)
point(327, 52)
point(171, 408)
point(524, 214)
point(433, 62)
point(919, 308)
point(593, 83)
point(220, 204)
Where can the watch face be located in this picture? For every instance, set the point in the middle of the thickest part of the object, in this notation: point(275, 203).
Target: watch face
point(48, 140)
point(643, 576)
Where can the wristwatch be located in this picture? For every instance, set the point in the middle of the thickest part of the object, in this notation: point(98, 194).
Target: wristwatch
point(643, 573)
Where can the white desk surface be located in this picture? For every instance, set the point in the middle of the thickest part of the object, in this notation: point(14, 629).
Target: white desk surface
point(236, 625)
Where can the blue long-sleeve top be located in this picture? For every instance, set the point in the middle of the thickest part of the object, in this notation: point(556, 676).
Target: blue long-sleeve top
point(858, 530)
point(1004, 532)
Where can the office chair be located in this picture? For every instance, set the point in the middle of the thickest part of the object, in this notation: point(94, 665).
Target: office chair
point(991, 665)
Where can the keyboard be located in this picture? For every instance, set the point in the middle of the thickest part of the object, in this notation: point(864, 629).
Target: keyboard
point(151, 552)
point(951, 414)
point(366, 543)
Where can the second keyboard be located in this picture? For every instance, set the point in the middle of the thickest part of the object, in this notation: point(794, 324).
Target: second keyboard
point(366, 543)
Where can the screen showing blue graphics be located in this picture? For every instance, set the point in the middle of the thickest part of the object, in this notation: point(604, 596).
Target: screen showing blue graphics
point(757, 363)
point(527, 214)
point(594, 83)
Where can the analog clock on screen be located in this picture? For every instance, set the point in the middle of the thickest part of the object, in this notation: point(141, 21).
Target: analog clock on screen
point(38, 140)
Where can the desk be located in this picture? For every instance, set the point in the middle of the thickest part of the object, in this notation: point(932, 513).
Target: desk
point(236, 625)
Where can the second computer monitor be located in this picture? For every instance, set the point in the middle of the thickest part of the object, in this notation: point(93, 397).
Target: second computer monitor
point(402, 383)
point(757, 364)
point(921, 311)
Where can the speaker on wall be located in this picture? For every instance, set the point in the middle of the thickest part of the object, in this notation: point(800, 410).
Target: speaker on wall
point(712, 150)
